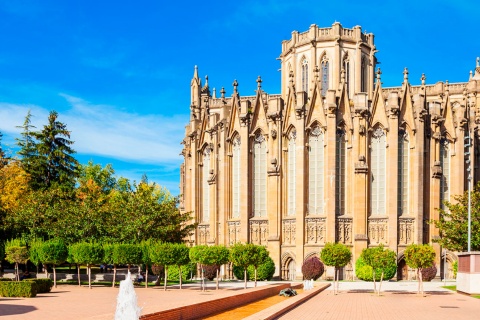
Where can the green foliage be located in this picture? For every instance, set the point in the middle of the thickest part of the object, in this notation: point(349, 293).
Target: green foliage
point(127, 254)
point(455, 269)
point(2, 250)
point(34, 251)
point(26, 289)
point(378, 259)
point(209, 255)
point(365, 272)
point(16, 251)
point(187, 270)
point(242, 255)
point(53, 252)
point(453, 222)
point(163, 253)
point(312, 268)
point(86, 253)
point(335, 254)
point(43, 285)
point(419, 256)
point(265, 271)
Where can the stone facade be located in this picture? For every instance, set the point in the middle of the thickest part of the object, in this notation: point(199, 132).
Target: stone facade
point(333, 157)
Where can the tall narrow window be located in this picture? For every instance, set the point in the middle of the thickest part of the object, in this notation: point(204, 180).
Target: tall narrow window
point(324, 76)
point(445, 179)
point(305, 75)
point(346, 68)
point(315, 171)
point(259, 176)
point(236, 178)
point(206, 186)
point(403, 149)
point(340, 179)
point(364, 75)
point(378, 172)
point(291, 177)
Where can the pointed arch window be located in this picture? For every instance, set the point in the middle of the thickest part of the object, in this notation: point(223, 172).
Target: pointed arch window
point(445, 179)
point(340, 170)
point(259, 176)
point(364, 75)
point(315, 171)
point(305, 75)
point(403, 166)
point(206, 186)
point(324, 78)
point(346, 68)
point(292, 174)
point(236, 178)
point(378, 172)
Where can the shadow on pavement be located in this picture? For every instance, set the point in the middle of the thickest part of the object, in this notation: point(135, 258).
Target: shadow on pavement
point(12, 309)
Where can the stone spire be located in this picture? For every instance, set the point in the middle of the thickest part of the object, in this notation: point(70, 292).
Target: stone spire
point(235, 86)
point(259, 83)
point(378, 73)
point(405, 75)
point(222, 93)
point(476, 76)
point(423, 78)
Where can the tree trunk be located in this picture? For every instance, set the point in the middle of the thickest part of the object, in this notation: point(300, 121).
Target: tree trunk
point(89, 276)
point(180, 276)
point(54, 276)
point(17, 277)
point(420, 277)
point(78, 275)
point(165, 281)
point(255, 277)
point(114, 275)
point(374, 282)
point(380, 285)
point(146, 277)
point(334, 280)
point(203, 280)
point(217, 279)
point(418, 281)
point(245, 277)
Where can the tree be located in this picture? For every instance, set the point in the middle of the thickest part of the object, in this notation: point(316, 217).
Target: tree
point(336, 255)
point(28, 147)
point(453, 222)
point(34, 252)
point(259, 255)
point(16, 252)
point(381, 261)
point(216, 255)
point(241, 256)
point(87, 253)
point(164, 254)
point(54, 252)
point(182, 258)
point(54, 161)
point(419, 256)
point(145, 248)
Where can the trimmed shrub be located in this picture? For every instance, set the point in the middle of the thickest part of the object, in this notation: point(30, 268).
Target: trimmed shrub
point(26, 289)
point(312, 268)
point(365, 273)
point(265, 271)
point(210, 272)
point(43, 285)
point(428, 274)
point(186, 270)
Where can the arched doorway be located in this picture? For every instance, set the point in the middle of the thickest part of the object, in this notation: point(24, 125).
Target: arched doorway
point(291, 270)
point(402, 270)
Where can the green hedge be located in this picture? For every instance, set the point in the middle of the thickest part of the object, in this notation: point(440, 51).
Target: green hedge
point(43, 285)
point(5, 279)
point(365, 273)
point(26, 289)
point(186, 269)
point(265, 271)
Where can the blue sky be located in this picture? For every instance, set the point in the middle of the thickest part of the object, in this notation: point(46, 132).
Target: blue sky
point(118, 72)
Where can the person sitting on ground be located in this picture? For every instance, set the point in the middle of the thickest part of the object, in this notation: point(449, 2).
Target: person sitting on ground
point(25, 275)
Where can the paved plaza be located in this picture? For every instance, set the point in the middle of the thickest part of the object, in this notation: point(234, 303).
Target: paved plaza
point(355, 301)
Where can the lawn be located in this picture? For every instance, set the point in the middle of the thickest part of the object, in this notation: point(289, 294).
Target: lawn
point(454, 288)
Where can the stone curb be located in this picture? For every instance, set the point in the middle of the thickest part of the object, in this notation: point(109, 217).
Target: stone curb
point(278, 309)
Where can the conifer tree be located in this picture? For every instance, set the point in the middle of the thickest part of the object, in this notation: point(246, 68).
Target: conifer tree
point(28, 146)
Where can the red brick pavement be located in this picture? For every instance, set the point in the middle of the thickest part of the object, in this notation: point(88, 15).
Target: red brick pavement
point(392, 305)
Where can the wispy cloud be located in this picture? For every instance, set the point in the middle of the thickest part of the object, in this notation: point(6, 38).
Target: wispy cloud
point(107, 131)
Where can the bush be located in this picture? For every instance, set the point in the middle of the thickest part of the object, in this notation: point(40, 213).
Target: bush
point(264, 272)
point(186, 269)
point(43, 285)
point(365, 273)
point(210, 272)
point(455, 269)
point(26, 289)
point(428, 274)
point(312, 268)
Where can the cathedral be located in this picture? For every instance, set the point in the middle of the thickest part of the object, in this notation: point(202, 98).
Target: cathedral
point(335, 157)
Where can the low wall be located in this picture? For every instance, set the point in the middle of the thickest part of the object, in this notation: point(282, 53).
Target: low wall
point(204, 309)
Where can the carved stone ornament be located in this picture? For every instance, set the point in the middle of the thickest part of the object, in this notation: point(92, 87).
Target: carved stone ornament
point(316, 131)
point(288, 231)
point(437, 171)
point(344, 230)
point(233, 232)
point(274, 168)
point(258, 232)
point(293, 135)
point(378, 133)
point(274, 134)
point(203, 234)
point(259, 138)
point(361, 167)
point(377, 230)
point(406, 229)
point(315, 230)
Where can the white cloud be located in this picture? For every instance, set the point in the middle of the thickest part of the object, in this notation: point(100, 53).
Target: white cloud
point(106, 131)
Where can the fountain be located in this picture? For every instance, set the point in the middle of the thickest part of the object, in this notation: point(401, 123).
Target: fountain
point(127, 308)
